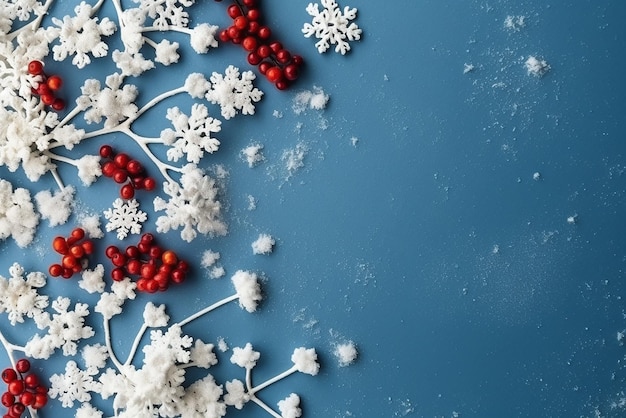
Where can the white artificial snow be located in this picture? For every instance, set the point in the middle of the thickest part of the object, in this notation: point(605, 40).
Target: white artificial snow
point(264, 244)
point(56, 207)
point(536, 176)
point(125, 217)
point(290, 406)
point(209, 258)
point(573, 219)
point(217, 272)
point(222, 345)
point(19, 295)
point(245, 357)
point(18, 218)
point(294, 158)
point(305, 360)
point(93, 280)
point(253, 154)
point(468, 68)
point(203, 38)
point(346, 353)
point(331, 26)
point(536, 66)
point(95, 356)
point(354, 141)
point(193, 205)
point(248, 289)
point(155, 316)
point(251, 202)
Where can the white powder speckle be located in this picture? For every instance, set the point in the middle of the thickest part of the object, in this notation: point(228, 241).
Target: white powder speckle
point(572, 219)
point(354, 141)
point(346, 353)
point(468, 68)
point(263, 245)
point(222, 345)
point(514, 23)
point(537, 176)
point(294, 158)
point(277, 114)
point(251, 202)
point(314, 99)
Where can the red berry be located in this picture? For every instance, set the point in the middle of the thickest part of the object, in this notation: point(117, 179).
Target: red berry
point(276, 46)
point(22, 365)
point(127, 191)
point(144, 247)
point(241, 22)
point(297, 60)
point(120, 176)
point(264, 66)
point(291, 72)
point(169, 258)
point(109, 168)
point(47, 99)
point(274, 74)
point(264, 32)
point(148, 271)
point(155, 252)
point(58, 104)
point(106, 151)
point(282, 85)
point(264, 51)
point(55, 270)
point(7, 399)
point(41, 399)
point(77, 251)
point(133, 266)
point(54, 82)
point(16, 410)
point(67, 273)
point(121, 160)
point(31, 381)
point(27, 398)
point(183, 265)
point(16, 387)
point(69, 261)
point(253, 14)
point(35, 67)
point(249, 3)
point(111, 250)
point(152, 286)
point(43, 89)
point(78, 233)
point(224, 37)
point(233, 33)
point(141, 284)
point(147, 238)
point(233, 11)
point(162, 279)
point(134, 167)
point(249, 43)
point(253, 26)
point(132, 251)
point(178, 276)
point(87, 246)
point(119, 260)
point(253, 58)
point(59, 244)
point(9, 375)
point(283, 56)
point(118, 274)
point(149, 183)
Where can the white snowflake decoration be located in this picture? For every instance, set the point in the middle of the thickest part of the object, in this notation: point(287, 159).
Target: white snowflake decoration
point(234, 91)
point(125, 217)
point(19, 295)
point(192, 136)
point(331, 26)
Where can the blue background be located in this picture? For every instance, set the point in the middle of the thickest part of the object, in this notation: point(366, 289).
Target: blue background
point(391, 242)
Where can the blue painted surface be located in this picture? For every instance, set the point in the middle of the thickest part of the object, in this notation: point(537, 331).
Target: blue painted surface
point(391, 243)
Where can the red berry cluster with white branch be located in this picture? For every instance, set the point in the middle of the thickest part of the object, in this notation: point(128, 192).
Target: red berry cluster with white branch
point(47, 88)
point(74, 250)
point(280, 66)
point(126, 171)
point(155, 267)
point(24, 390)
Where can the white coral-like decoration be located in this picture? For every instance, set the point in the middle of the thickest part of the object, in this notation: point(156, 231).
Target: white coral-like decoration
point(234, 92)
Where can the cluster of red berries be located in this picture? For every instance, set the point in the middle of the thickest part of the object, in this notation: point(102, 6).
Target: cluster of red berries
point(275, 62)
point(74, 250)
point(155, 267)
point(23, 390)
point(48, 86)
point(125, 171)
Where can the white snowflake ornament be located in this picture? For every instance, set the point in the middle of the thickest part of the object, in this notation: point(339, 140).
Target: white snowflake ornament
point(331, 26)
point(234, 91)
point(125, 217)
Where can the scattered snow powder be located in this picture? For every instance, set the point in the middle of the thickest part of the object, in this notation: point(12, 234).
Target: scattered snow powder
point(252, 154)
point(514, 23)
point(346, 353)
point(222, 345)
point(209, 258)
point(572, 219)
point(263, 245)
point(294, 158)
point(251, 202)
point(354, 141)
point(315, 99)
point(55, 207)
point(536, 66)
point(537, 176)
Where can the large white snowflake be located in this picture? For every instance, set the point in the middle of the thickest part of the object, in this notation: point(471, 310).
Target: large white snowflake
point(331, 26)
point(81, 35)
point(113, 103)
point(74, 385)
point(193, 205)
point(125, 217)
point(192, 134)
point(18, 218)
point(234, 91)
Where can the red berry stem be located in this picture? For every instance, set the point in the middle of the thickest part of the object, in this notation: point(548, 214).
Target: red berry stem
point(279, 66)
